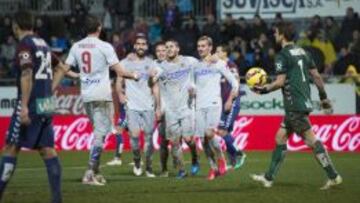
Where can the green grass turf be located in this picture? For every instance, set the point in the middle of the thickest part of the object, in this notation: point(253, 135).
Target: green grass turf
point(298, 181)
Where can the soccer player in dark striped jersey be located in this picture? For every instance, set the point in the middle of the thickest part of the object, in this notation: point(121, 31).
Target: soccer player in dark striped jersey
point(230, 111)
point(31, 123)
point(294, 67)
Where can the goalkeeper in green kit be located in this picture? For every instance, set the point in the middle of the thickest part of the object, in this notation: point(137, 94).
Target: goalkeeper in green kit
point(293, 67)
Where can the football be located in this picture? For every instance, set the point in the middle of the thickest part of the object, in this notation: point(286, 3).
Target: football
point(256, 77)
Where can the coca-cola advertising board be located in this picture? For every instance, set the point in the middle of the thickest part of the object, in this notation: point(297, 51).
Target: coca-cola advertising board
point(337, 132)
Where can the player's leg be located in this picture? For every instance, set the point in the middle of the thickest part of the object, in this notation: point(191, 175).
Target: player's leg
point(164, 150)
point(11, 150)
point(320, 152)
point(188, 131)
point(236, 155)
point(200, 123)
point(149, 121)
point(213, 172)
point(7, 165)
point(134, 120)
point(277, 157)
point(53, 168)
point(116, 161)
point(177, 155)
point(173, 133)
point(51, 160)
point(100, 113)
point(211, 124)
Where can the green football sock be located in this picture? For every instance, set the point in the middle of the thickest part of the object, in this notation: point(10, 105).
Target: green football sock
point(324, 160)
point(277, 158)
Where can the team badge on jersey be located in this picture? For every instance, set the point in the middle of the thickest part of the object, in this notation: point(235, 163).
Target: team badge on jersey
point(24, 58)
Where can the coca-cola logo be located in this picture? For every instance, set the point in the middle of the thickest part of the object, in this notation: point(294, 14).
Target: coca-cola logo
point(69, 104)
point(339, 137)
point(241, 137)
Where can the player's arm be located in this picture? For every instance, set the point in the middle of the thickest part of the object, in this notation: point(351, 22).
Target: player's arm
point(319, 83)
point(122, 72)
point(25, 61)
point(120, 90)
point(234, 86)
point(232, 80)
point(156, 91)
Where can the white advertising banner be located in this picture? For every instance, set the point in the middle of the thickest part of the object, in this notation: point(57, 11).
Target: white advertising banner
point(288, 8)
point(7, 100)
point(342, 97)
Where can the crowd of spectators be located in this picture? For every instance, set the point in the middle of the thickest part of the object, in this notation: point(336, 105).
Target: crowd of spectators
point(334, 43)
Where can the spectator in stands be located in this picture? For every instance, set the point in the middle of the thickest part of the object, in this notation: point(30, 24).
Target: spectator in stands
point(303, 40)
point(355, 43)
point(350, 23)
point(212, 29)
point(5, 29)
point(73, 28)
point(185, 7)
point(317, 56)
point(171, 19)
point(41, 29)
point(192, 33)
point(155, 31)
point(327, 49)
point(352, 76)
point(241, 62)
point(315, 27)
point(331, 29)
point(258, 27)
point(8, 50)
point(107, 21)
point(346, 59)
point(244, 30)
point(229, 29)
point(117, 42)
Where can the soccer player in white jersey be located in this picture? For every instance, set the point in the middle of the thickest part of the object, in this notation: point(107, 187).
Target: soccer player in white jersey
point(160, 54)
point(94, 57)
point(176, 81)
point(208, 75)
point(142, 101)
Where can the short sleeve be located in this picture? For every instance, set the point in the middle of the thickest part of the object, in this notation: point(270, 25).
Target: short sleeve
point(110, 55)
point(280, 64)
point(71, 60)
point(24, 57)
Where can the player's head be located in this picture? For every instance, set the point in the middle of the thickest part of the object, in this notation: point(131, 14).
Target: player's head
point(160, 51)
point(172, 48)
point(223, 51)
point(141, 45)
point(23, 21)
point(92, 25)
point(284, 32)
point(204, 46)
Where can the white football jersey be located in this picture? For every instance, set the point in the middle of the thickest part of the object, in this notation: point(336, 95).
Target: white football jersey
point(94, 57)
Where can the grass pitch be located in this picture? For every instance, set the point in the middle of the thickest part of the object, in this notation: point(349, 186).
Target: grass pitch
point(298, 181)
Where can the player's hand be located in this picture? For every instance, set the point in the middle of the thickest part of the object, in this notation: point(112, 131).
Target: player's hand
point(24, 116)
point(136, 76)
point(326, 106)
point(214, 58)
point(260, 89)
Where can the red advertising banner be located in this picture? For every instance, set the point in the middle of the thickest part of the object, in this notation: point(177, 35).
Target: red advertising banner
point(338, 133)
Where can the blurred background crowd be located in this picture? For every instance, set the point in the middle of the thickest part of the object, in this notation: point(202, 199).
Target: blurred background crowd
point(334, 42)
